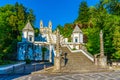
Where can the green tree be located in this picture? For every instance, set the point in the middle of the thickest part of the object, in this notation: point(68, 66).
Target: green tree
point(116, 38)
point(83, 14)
point(36, 32)
point(12, 20)
point(116, 42)
point(113, 7)
point(61, 29)
point(30, 16)
point(66, 31)
point(93, 42)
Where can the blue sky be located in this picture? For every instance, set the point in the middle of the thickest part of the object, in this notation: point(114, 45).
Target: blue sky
point(58, 11)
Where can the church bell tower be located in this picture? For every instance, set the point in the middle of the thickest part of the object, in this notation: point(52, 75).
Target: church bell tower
point(50, 26)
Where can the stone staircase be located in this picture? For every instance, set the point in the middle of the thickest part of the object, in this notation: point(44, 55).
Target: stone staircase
point(77, 62)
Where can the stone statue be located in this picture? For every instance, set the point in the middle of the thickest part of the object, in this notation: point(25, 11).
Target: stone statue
point(58, 43)
point(101, 59)
point(57, 57)
point(101, 44)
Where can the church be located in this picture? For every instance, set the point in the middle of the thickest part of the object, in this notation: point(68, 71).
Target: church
point(31, 47)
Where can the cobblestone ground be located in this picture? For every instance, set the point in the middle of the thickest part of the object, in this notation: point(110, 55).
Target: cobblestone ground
point(83, 76)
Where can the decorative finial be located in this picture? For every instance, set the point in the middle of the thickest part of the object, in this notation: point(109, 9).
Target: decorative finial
point(41, 24)
point(50, 24)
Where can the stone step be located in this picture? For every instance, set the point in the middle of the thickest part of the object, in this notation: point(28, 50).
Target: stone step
point(77, 61)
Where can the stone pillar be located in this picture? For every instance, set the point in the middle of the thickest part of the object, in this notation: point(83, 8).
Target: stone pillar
point(103, 61)
point(101, 44)
point(57, 57)
point(57, 43)
point(50, 53)
point(57, 64)
point(103, 58)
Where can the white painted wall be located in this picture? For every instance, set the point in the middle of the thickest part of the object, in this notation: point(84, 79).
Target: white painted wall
point(66, 40)
point(24, 36)
point(79, 36)
point(71, 46)
point(50, 53)
point(27, 34)
point(74, 36)
point(31, 34)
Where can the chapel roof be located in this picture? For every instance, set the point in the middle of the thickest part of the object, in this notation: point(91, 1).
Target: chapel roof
point(77, 29)
point(28, 26)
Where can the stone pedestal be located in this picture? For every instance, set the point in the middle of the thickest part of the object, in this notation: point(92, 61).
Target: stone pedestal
point(95, 60)
point(56, 64)
point(103, 61)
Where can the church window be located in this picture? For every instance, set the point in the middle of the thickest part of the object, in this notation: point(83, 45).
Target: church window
point(76, 39)
point(30, 38)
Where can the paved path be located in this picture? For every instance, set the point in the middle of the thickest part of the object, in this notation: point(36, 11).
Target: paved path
point(83, 76)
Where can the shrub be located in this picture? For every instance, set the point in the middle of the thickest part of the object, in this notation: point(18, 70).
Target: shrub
point(28, 61)
point(74, 49)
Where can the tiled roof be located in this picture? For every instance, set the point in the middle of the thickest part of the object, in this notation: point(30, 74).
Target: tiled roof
point(77, 29)
point(28, 27)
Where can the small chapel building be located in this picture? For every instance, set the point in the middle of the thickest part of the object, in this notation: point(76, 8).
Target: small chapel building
point(77, 35)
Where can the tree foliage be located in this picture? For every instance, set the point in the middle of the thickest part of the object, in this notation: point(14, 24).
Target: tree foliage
point(66, 31)
point(12, 20)
point(83, 14)
point(114, 7)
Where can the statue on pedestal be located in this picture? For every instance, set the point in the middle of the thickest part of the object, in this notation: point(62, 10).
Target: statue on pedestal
point(101, 59)
point(57, 57)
